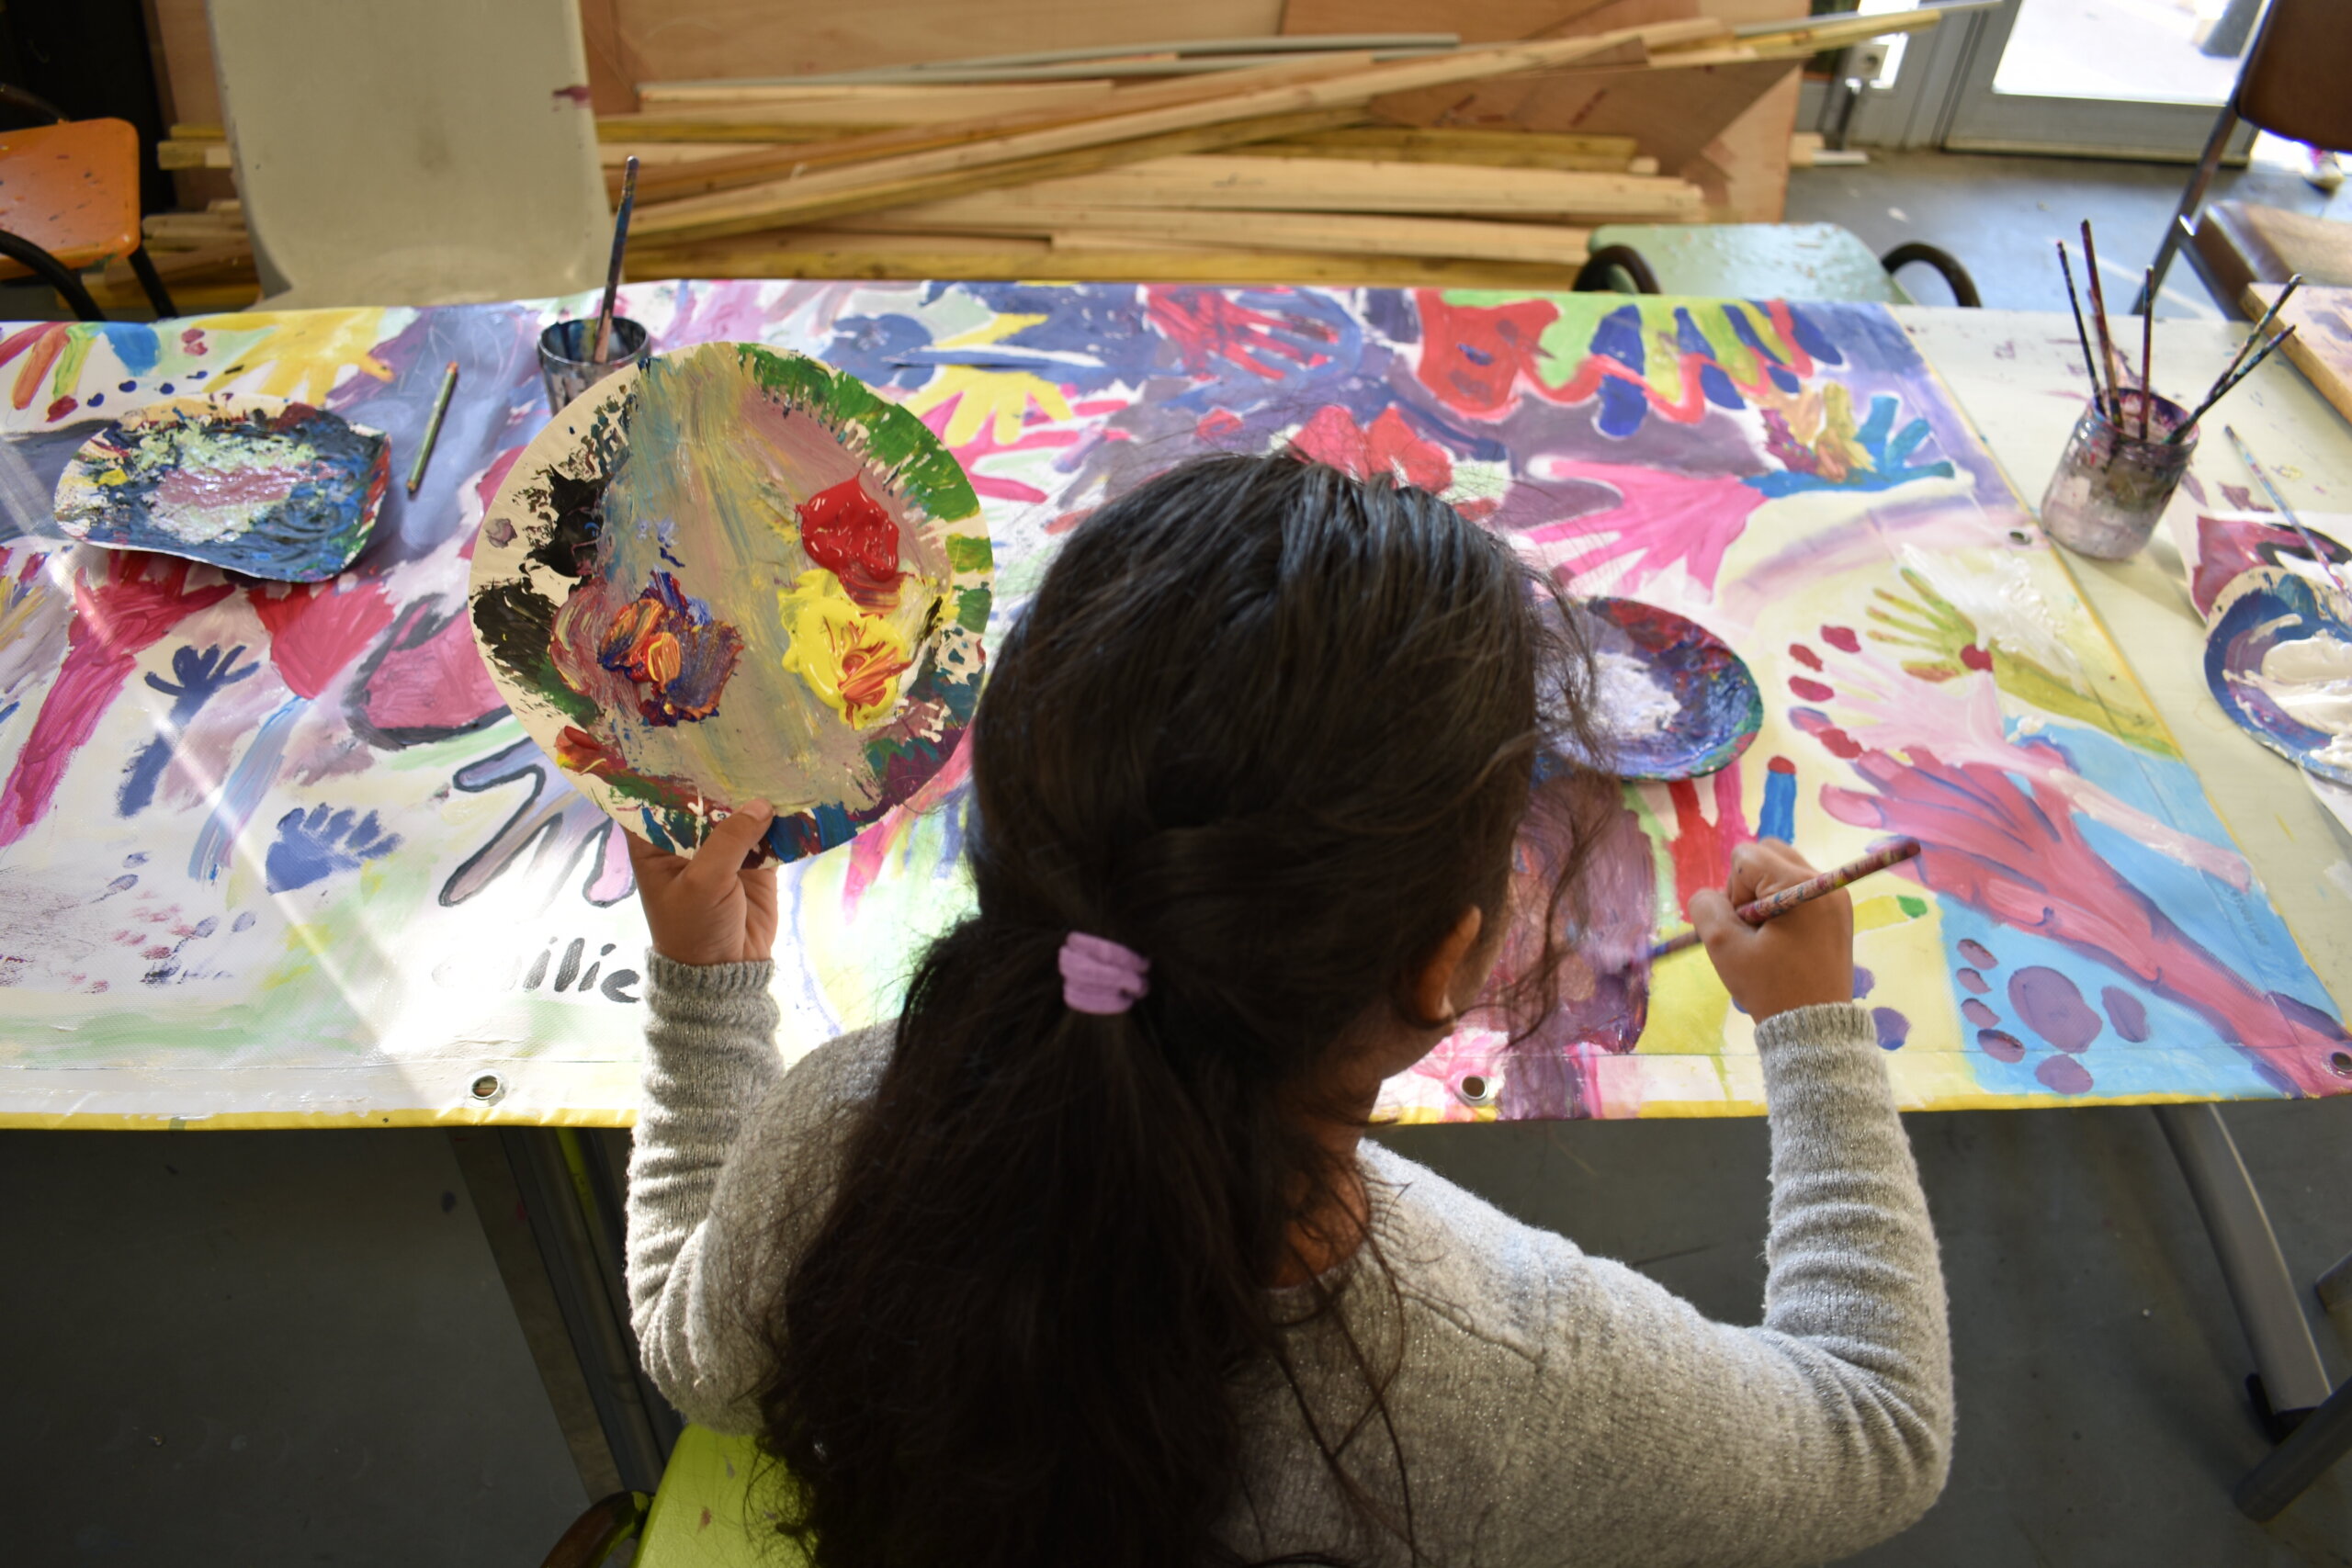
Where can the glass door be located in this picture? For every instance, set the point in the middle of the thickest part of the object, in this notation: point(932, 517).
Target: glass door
point(2102, 78)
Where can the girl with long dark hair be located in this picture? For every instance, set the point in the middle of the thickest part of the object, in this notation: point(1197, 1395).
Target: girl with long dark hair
point(1083, 1259)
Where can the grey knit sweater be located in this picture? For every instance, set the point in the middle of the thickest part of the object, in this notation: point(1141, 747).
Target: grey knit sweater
point(1552, 1408)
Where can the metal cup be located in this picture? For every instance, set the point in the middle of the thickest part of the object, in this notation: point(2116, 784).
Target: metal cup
point(2111, 486)
point(564, 361)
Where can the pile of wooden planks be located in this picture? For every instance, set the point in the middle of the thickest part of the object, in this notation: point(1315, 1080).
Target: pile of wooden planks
point(1228, 161)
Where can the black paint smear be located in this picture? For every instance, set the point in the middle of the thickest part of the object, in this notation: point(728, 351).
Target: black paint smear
point(569, 970)
point(570, 549)
point(419, 623)
point(518, 622)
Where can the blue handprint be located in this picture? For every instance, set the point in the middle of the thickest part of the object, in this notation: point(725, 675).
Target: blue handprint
point(196, 677)
point(313, 847)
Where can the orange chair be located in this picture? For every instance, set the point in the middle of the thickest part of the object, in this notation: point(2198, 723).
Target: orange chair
point(69, 199)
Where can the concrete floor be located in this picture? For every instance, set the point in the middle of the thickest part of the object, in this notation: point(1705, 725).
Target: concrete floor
point(256, 1348)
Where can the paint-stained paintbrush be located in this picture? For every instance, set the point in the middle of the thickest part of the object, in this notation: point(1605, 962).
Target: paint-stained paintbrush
point(2148, 355)
point(2099, 317)
point(613, 272)
point(2223, 389)
point(432, 428)
point(2279, 503)
point(1762, 910)
point(2082, 333)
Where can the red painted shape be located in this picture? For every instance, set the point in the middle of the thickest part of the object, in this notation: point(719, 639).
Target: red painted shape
point(1842, 638)
point(846, 531)
point(114, 622)
point(439, 682)
point(1474, 356)
point(1208, 324)
point(1811, 691)
point(315, 631)
point(1805, 656)
point(1701, 848)
point(1975, 658)
point(1389, 447)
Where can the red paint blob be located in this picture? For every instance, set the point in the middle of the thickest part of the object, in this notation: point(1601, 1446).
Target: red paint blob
point(61, 407)
point(1975, 658)
point(1779, 766)
point(1839, 744)
point(1811, 691)
point(1841, 639)
point(845, 531)
point(1805, 656)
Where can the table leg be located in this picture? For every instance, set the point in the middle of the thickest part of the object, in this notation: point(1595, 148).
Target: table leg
point(567, 1184)
point(2325, 1437)
point(2294, 1380)
point(2335, 1287)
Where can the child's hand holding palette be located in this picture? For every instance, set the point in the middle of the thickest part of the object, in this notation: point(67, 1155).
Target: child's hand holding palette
point(734, 574)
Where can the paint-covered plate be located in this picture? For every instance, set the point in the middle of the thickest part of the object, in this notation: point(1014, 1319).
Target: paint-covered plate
point(1674, 700)
point(2279, 659)
point(256, 485)
point(733, 574)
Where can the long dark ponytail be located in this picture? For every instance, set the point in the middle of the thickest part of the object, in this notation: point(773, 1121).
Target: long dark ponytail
point(1273, 728)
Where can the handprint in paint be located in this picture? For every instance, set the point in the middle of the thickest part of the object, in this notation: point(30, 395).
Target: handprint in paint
point(314, 846)
point(196, 676)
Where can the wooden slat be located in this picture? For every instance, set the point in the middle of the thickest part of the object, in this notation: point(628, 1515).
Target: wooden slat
point(1319, 184)
point(175, 154)
point(822, 254)
point(796, 162)
point(1337, 232)
point(867, 106)
point(1489, 148)
point(883, 182)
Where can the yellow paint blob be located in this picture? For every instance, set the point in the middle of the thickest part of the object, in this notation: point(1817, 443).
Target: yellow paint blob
point(850, 659)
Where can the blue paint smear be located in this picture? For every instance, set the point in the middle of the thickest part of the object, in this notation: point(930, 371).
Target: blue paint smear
point(1623, 407)
point(134, 343)
point(1779, 817)
point(1812, 339)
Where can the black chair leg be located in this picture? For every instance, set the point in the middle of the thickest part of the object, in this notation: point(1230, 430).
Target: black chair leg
point(1964, 287)
point(1598, 273)
point(153, 282)
point(54, 273)
point(2192, 202)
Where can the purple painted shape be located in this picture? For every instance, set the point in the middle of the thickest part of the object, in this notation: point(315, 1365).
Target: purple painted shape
point(2127, 1012)
point(1977, 952)
point(1864, 981)
point(2000, 1046)
point(2052, 1006)
point(1894, 1029)
point(1979, 1014)
point(1970, 980)
point(2065, 1074)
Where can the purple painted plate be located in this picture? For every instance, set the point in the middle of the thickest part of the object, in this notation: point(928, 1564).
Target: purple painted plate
point(1675, 700)
point(2279, 659)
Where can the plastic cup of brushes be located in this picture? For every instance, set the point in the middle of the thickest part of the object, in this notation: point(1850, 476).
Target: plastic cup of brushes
point(2112, 484)
point(567, 350)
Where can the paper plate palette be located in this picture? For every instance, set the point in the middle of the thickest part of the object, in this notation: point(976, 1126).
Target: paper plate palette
point(1674, 700)
point(2279, 659)
point(734, 574)
point(256, 485)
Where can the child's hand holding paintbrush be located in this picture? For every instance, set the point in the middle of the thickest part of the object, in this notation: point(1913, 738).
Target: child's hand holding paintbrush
point(1782, 935)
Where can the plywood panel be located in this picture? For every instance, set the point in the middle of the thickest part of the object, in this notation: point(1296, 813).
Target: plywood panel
point(1492, 21)
point(684, 39)
point(180, 38)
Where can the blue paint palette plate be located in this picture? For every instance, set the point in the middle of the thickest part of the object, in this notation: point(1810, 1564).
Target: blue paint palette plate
point(271, 489)
point(1675, 701)
point(2279, 659)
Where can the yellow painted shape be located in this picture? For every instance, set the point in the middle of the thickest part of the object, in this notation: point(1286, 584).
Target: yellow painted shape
point(851, 660)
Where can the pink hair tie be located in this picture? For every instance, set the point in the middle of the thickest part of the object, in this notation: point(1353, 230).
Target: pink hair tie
point(1101, 977)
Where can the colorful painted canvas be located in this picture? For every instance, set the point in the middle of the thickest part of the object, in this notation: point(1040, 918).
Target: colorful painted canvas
point(2279, 659)
point(260, 486)
point(734, 574)
point(282, 853)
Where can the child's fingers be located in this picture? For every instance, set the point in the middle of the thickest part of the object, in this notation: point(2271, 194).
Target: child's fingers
point(1763, 867)
point(642, 854)
point(722, 853)
point(1712, 914)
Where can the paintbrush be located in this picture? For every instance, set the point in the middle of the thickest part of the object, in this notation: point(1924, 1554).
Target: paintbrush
point(2099, 317)
point(2082, 333)
point(2256, 336)
point(2224, 388)
point(2279, 503)
point(2148, 354)
point(1759, 911)
point(432, 428)
point(613, 272)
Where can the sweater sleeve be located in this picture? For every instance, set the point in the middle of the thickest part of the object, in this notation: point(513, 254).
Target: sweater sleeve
point(1661, 1436)
point(727, 1172)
